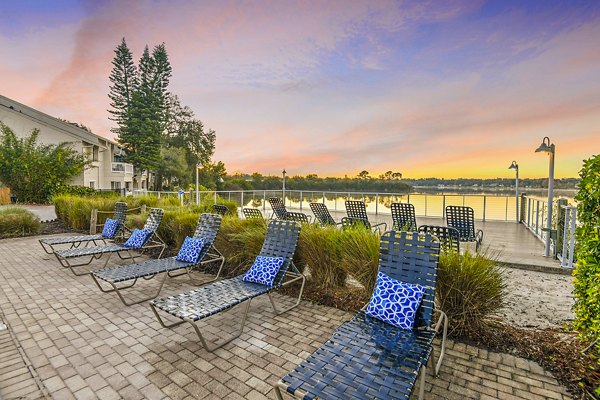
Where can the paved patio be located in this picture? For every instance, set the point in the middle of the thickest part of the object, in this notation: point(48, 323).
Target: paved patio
point(68, 340)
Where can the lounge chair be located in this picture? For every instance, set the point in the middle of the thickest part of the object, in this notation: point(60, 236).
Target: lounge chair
point(221, 209)
point(298, 217)
point(322, 214)
point(367, 358)
point(462, 218)
point(357, 215)
point(76, 241)
point(278, 206)
point(403, 217)
point(252, 213)
point(449, 238)
point(207, 228)
point(195, 305)
point(152, 240)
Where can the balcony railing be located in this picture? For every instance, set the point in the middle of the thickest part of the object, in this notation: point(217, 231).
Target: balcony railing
point(122, 167)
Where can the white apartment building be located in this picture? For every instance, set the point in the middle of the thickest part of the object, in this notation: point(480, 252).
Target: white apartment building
point(107, 171)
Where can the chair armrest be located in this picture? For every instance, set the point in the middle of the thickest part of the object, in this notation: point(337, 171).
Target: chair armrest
point(442, 322)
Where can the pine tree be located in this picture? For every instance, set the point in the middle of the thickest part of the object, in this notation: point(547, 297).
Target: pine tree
point(124, 79)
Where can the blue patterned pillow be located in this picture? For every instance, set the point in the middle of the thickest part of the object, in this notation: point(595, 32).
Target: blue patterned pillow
point(190, 249)
point(137, 238)
point(264, 270)
point(110, 228)
point(395, 302)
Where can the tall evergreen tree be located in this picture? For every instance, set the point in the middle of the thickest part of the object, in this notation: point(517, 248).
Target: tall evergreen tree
point(124, 81)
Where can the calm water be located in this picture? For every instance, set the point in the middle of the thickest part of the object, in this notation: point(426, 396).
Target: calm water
point(496, 204)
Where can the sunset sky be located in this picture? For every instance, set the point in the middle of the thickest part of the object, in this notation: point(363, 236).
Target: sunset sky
point(439, 88)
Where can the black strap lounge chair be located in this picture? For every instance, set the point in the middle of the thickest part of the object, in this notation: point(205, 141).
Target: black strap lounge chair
point(207, 228)
point(449, 238)
point(298, 217)
point(322, 214)
point(252, 213)
point(462, 218)
point(76, 241)
point(279, 210)
point(357, 210)
point(367, 358)
point(403, 217)
point(221, 209)
point(193, 306)
point(151, 240)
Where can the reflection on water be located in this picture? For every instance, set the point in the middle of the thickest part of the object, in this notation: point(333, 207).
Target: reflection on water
point(494, 205)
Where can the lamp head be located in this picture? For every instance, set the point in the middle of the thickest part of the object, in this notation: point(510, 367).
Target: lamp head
point(514, 166)
point(545, 147)
point(283, 172)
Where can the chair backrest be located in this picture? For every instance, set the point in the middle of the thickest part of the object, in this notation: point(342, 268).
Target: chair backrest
point(412, 258)
point(449, 238)
point(281, 241)
point(208, 227)
point(278, 207)
point(322, 214)
point(221, 209)
point(120, 212)
point(403, 217)
point(462, 219)
point(155, 216)
point(252, 213)
point(349, 222)
point(356, 209)
point(297, 216)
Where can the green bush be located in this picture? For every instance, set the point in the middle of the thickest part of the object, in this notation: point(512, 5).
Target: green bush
point(17, 221)
point(587, 272)
point(320, 249)
point(81, 191)
point(470, 289)
point(360, 255)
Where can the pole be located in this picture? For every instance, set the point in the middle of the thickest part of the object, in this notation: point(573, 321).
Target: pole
point(197, 187)
point(517, 197)
point(550, 197)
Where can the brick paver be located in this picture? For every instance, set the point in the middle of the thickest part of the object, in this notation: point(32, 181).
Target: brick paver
point(82, 343)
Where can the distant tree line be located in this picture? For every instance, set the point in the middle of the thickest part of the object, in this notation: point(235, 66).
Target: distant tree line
point(564, 183)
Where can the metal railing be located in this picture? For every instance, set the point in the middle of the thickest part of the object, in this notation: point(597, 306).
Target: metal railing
point(122, 167)
point(567, 254)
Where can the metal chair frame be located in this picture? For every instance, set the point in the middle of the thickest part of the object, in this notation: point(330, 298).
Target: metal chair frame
point(207, 227)
point(278, 206)
point(368, 358)
point(280, 241)
point(252, 213)
point(76, 241)
point(357, 210)
point(152, 241)
point(298, 217)
point(462, 218)
point(449, 238)
point(221, 209)
point(403, 217)
point(322, 215)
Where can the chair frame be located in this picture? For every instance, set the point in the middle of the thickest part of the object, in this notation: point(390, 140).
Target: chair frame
point(221, 209)
point(448, 237)
point(252, 213)
point(76, 241)
point(152, 241)
point(357, 210)
point(298, 217)
point(405, 256)
point(278, 206)
point(280, 241)
point(207, 227)
point(403, 217)
point(322, 215)
point(462, 218)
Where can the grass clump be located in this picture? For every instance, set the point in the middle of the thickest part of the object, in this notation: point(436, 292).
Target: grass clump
point(320, 249)
point(18, 221)
point(470, 289)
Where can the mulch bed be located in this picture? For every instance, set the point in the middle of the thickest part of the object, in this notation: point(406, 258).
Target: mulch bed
point(54, 227)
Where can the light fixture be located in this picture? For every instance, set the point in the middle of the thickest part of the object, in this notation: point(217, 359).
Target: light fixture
point(515, 166)
point(547, 147)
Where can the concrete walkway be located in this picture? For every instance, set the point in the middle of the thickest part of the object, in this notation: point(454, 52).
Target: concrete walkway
point(44, 212)
point(81, 343)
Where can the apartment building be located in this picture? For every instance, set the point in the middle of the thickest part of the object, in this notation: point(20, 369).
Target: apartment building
point(107, 170)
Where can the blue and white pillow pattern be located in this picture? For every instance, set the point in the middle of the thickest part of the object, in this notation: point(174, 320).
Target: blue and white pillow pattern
point(395, 302)
point(110, 228)
point(137, 238)
point(190, 249)
point(264, 270)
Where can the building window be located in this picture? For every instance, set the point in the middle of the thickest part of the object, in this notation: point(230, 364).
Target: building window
point(93, 184)
point(115, 185)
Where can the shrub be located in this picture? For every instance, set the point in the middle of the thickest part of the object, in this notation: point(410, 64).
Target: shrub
point(4, 196)
point(470, 288)
point(17, 221)
point(80, 191)
point(35, 172)
point(587, 272)
point(320, 250)
point(360, 255)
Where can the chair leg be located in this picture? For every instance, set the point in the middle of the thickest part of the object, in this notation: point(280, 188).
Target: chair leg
point(160, 320)
point(422, 384)
point(275, 308)
point(131, 303)
point(45, 248)
point(212, 346)
point(110, 290)
point(277, 391)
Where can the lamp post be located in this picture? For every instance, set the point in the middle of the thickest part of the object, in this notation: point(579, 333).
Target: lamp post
point(283, 172)
point(515, 166)
point(197, 187)
point(547, 147)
